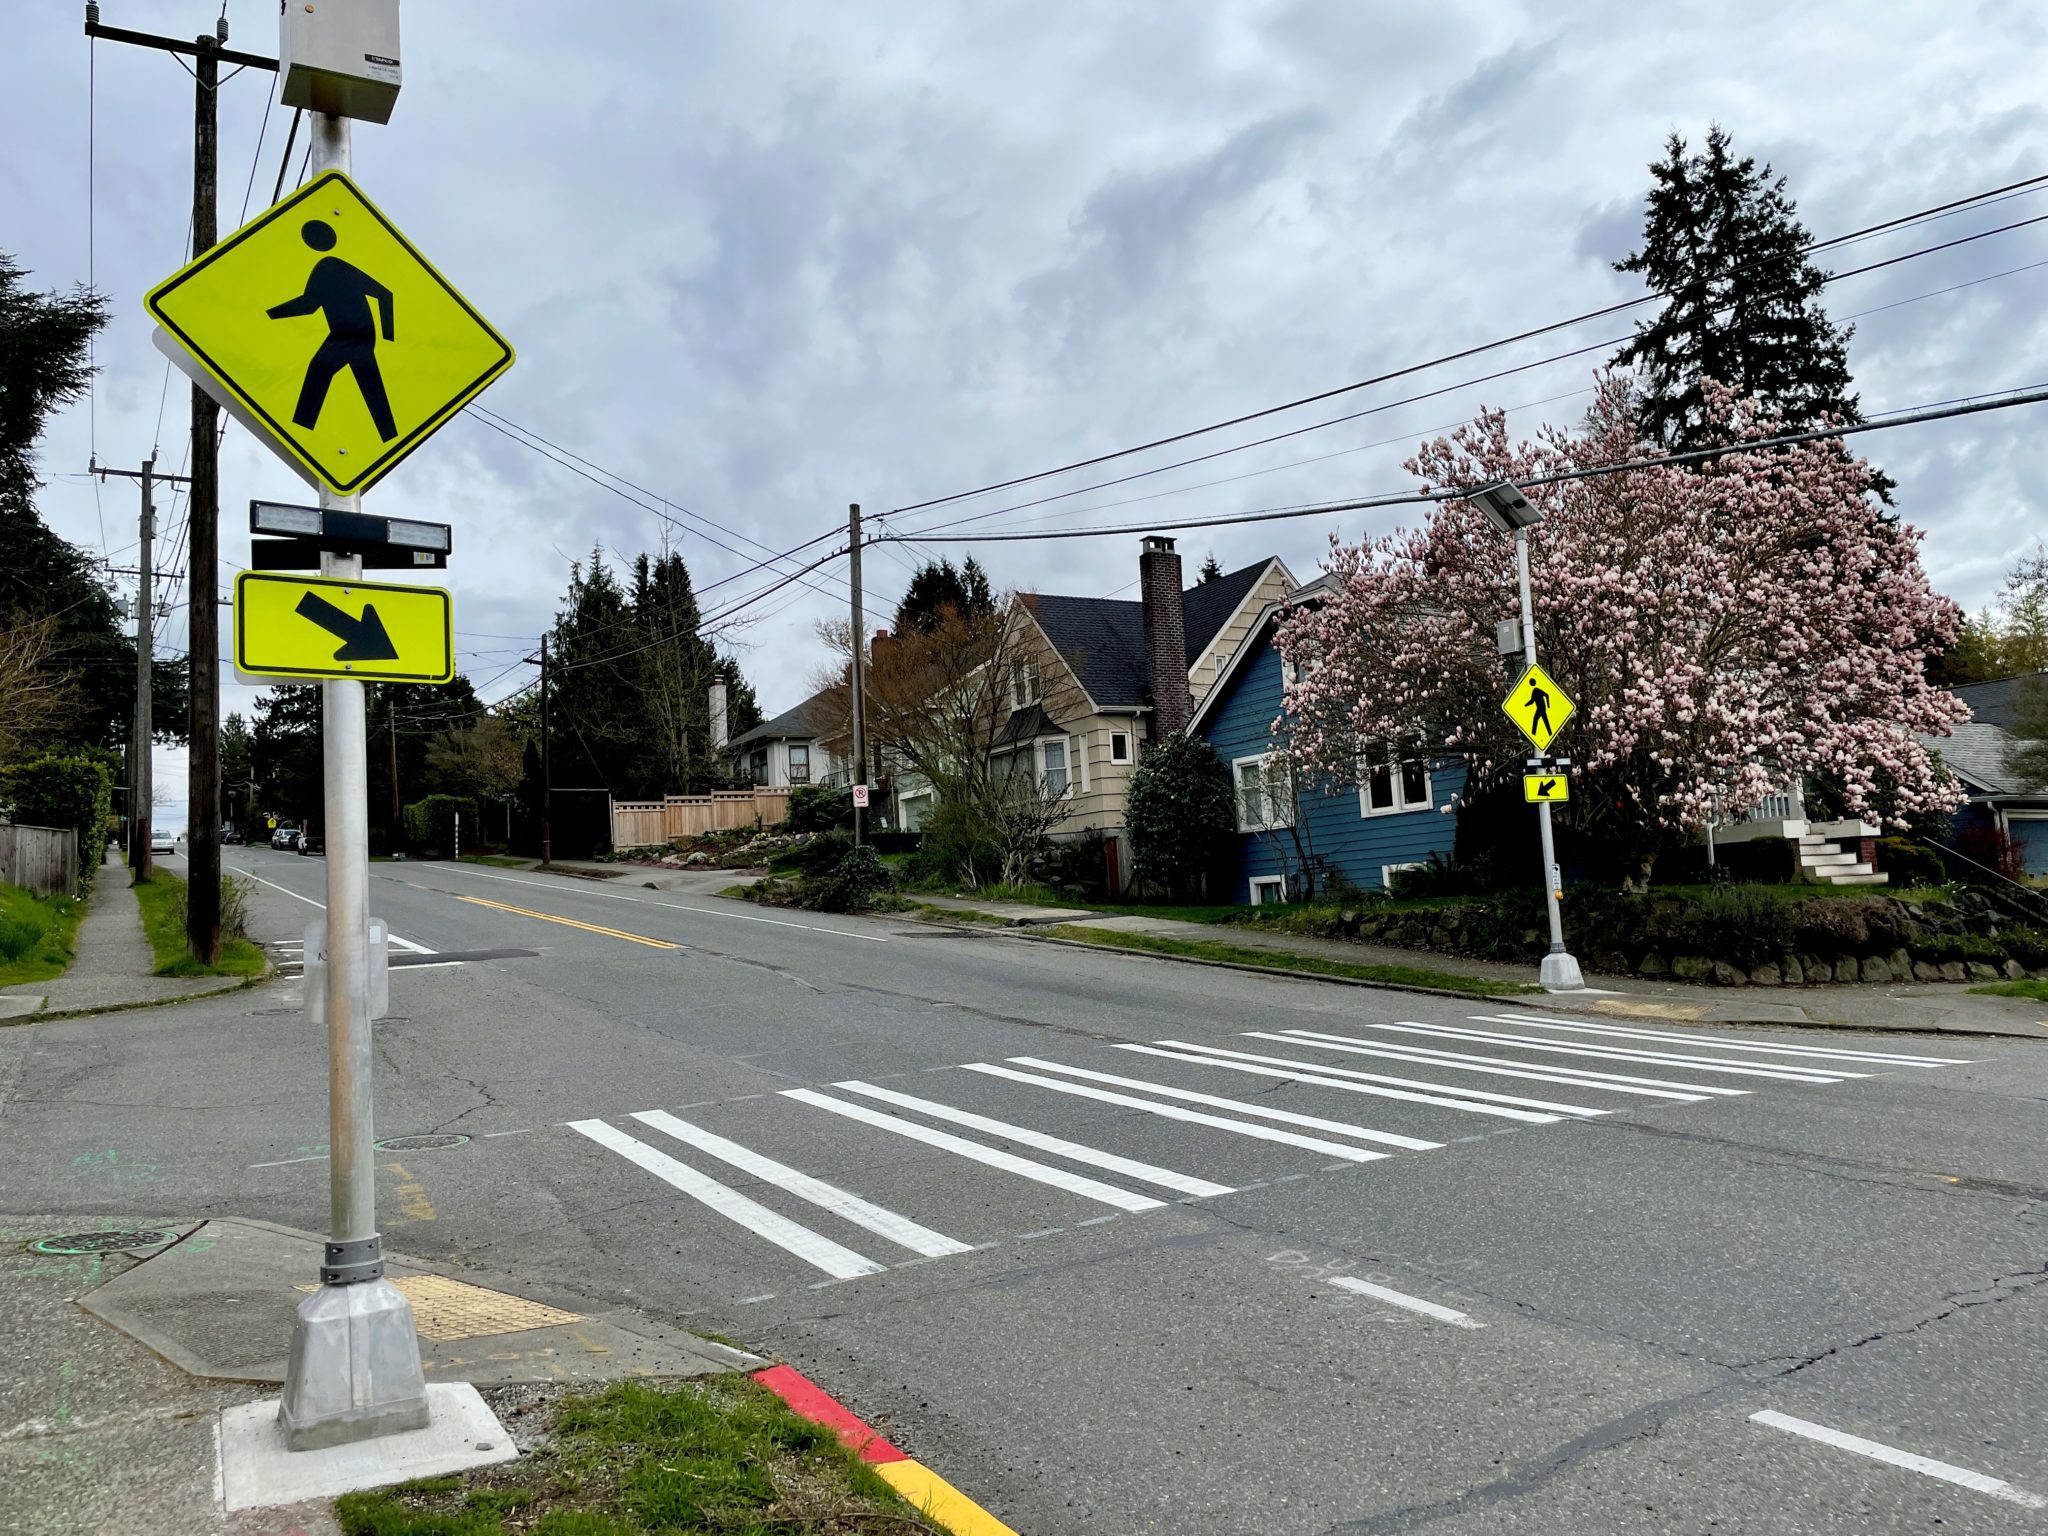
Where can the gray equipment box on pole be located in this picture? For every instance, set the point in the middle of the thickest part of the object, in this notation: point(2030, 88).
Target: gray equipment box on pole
point(340, 56)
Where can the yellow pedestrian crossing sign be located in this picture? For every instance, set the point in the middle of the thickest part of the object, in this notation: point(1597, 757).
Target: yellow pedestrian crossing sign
point(1546, 788)
point(303, 627)
point(323, 330)
point(1538, 707)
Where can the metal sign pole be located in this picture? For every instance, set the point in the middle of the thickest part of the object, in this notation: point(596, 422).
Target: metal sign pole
point(1559, 971)
point(354, 1370)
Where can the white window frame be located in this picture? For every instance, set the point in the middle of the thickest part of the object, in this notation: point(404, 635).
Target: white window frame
point(1276, 884)
point(1267, 822)
point(1122, 758)
point(1402, 805)
point(1038, 752)
point(1026, 688)
point(1387, 872)
point(789, 759)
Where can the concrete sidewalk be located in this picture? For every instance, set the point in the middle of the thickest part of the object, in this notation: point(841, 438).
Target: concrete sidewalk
point(1921, 1008)
point(112, 963)
point(101, 1432)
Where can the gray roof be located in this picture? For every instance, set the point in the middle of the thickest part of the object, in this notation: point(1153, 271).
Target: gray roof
point(816, 716)
point(1997, 702)
point(1103, 638)
point(1975, 753)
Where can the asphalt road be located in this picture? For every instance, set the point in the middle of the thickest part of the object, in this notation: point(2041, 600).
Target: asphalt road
point(1412, 1265)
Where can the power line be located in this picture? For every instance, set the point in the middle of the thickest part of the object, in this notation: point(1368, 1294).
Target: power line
point(1458, 356)
point(1542, 362)
point(1913, 416)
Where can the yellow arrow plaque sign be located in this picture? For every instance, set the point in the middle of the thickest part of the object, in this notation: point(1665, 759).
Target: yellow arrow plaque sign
point(334, 338)
point(1538, 707)
point(1546, 788)
point(294, 628)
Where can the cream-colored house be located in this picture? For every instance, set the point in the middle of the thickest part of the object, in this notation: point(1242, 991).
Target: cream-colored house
point(1093, 678)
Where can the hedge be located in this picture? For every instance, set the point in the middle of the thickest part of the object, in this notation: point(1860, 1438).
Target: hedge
point(62, 789)
point(430, 823)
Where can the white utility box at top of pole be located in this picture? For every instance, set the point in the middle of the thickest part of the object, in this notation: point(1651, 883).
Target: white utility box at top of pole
point(340, 57)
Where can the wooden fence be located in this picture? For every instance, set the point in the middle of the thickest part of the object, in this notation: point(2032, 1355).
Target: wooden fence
point(639, 823)
point(44, 859)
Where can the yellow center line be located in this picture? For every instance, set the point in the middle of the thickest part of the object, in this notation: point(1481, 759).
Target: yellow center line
point(570, 922)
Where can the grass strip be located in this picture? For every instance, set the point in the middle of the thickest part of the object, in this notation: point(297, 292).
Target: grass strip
point(495, 860)
point(718, 1454)
point(163, 919)
point(1306, 965)
point(37, 934)
point(2037, 990)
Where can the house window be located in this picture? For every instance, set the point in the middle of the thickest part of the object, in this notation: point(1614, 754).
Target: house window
point(799, 764)
point(1269, 891)
point(1392, 787)
point(1023, 682)
point(757, 765)
point(1053, 757)
point(1119, 746)
point(1265, 797)
point(1388, 871)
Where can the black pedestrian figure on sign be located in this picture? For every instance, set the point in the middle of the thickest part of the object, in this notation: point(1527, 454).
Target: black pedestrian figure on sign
point(343, 293)
point(1539, 702)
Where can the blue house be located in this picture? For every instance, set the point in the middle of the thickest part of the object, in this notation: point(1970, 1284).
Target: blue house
point(1396, 816)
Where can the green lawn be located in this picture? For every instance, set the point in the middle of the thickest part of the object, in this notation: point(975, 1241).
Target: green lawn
point(1277, 960)
point(722, 1454)
point(495, 860)
point(2036, 990)
point(163, 919)
point(36, 934)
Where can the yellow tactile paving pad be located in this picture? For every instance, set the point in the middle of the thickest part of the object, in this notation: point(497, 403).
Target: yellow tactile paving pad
point(444, 1309)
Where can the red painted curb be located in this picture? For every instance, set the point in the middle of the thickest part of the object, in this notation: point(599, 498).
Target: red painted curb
point(819, 1406)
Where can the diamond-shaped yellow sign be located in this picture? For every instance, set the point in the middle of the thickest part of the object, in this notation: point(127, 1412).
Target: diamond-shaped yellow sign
point(338, 340)
point(1538, 707)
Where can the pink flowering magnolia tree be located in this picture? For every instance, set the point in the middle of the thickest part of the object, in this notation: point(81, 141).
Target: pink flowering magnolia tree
point(1722, 629)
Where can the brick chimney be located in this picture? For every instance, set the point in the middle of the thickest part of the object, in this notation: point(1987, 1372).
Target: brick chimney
point(1166, 635)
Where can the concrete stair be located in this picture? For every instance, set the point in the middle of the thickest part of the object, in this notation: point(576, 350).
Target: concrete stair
point(1822, 862)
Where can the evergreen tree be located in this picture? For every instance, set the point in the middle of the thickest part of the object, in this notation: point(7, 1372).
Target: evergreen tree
point(1211, 571)
point(1724, 243)
point(937, 587)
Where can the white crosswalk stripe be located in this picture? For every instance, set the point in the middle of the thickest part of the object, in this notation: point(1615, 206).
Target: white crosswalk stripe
point(1619, 1053)
point(993, 1157)
point(1503, 1066)
point(1719, 1042)
point(1175, 1112)
point(813, 1248)
point(863, 1213)
point(1532, 1112)
point(1235, 1106)
point(1109, 1162)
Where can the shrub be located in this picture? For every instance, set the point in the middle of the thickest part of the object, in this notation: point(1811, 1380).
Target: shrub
point(63, 789)
point(957, 848)
point(822, 854)
point(1936, 948)
point(852, 887)
point(1436, 878)
point(2029, 946)
point(1993, 848)
point(818, 808)
point(234, 906)
point(1909, 864)
point(1745, 925)
point(1182, 813)
point(430, 823)
point(1075, 866)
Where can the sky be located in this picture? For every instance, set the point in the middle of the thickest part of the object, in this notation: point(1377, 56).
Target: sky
point(765, 261)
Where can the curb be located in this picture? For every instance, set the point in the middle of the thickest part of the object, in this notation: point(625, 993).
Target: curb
point(944, 1504)
point(49, 1015)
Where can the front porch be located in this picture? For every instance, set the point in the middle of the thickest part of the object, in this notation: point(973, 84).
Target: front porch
point(1829, 852)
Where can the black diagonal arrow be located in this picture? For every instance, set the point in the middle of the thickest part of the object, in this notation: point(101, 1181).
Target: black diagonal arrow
point(361, 639)
point(1546, 789)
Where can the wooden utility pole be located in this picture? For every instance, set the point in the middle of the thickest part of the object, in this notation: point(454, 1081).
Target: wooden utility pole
point(547, 777)
point(202, 916)
point(391, 730)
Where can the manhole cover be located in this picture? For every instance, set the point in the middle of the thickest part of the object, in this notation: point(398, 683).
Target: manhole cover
point(419, 1143)
point(100, 1242)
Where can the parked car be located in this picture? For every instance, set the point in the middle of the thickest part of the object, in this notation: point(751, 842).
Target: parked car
point(284, 837)
point(230, 837)
point(311, 842)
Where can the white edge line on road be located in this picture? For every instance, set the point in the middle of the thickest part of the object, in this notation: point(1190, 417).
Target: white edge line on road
point(1963, 1477)
point(318, 1157)
point(1400, 1299)
point(774, 922)
point(427, 965)
point(546, 885)
point(295, 896)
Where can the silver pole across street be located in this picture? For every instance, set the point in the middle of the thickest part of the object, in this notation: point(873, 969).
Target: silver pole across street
point(354, 1369)
point(1560, 971)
